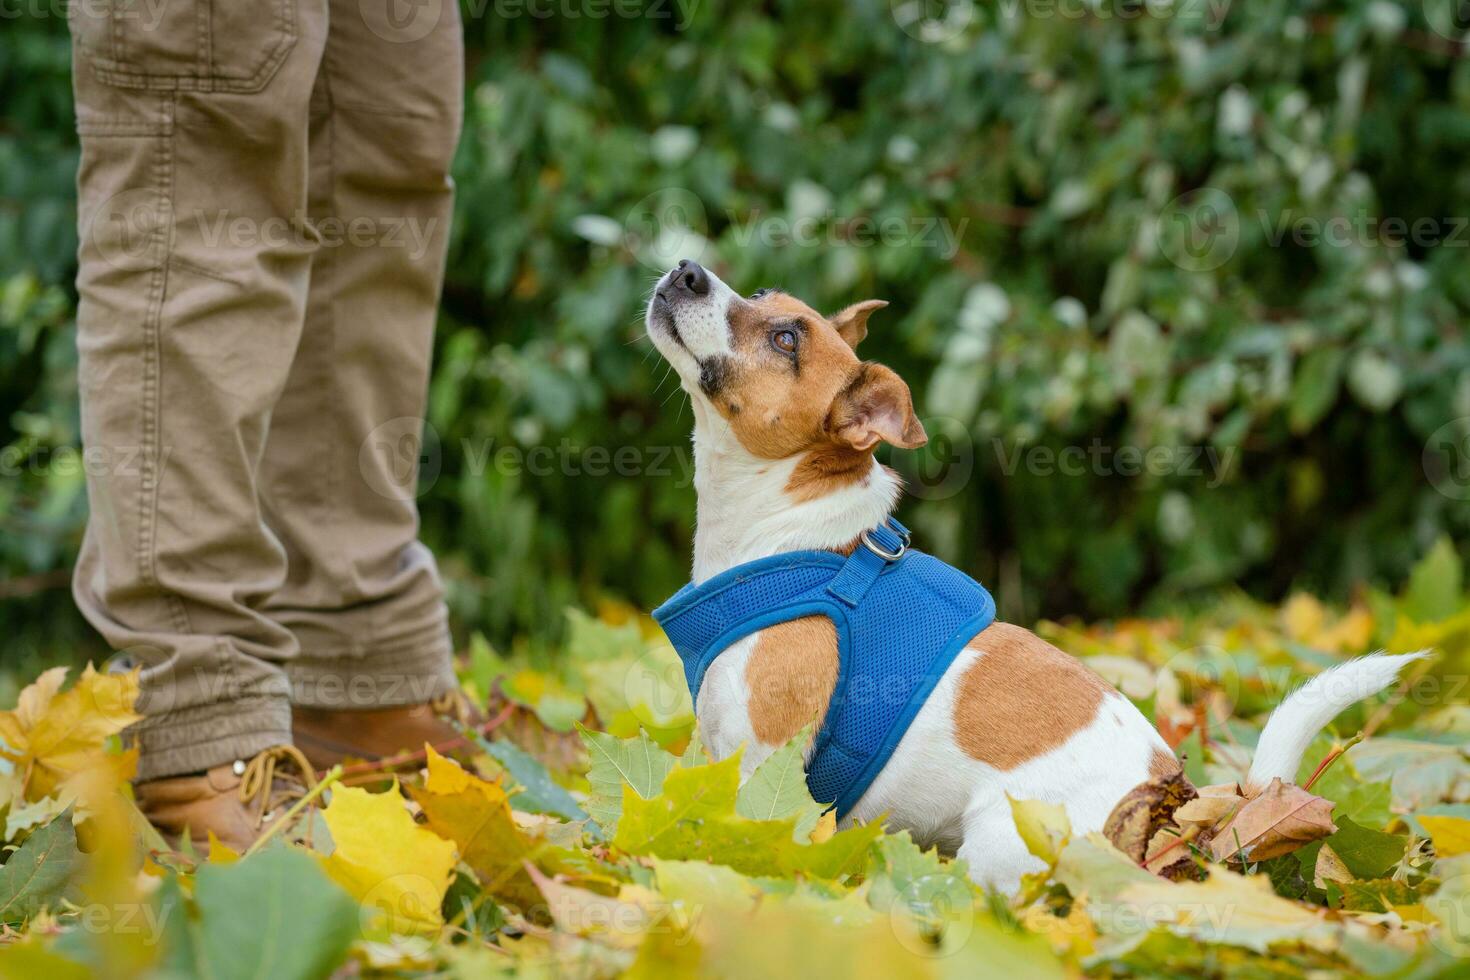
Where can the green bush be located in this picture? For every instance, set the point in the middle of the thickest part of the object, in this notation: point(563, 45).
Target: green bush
point(1168, 228)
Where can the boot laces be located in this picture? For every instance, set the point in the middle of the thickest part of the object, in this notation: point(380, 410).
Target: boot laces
point(262, 785)
point(454, 704)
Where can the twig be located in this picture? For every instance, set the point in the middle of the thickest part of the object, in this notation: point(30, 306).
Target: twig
point(1183, 838)
point(1332, 757)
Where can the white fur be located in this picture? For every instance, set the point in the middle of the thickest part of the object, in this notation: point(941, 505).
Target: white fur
point(1298, 719)
point(930, 786)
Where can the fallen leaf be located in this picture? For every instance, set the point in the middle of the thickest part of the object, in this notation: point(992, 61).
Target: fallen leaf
point(1044, 827)
point(1422, 773)
point(1451, 835)
point(398, 870)
point(1329, 867)
point(476, 815)
point(586, 913)
point(637, 763)
point(53, 735)
point(539, 793)
point(45, 869)
point(272, 914)
point(1227, 908)
point(1278, 820)
point(694, 818)
point(1147, 811)
point(777, 789)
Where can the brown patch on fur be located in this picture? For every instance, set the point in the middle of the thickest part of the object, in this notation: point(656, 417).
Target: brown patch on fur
point(827, 469)
point(791, 675)
point(1162, 765)
point(1022, 698)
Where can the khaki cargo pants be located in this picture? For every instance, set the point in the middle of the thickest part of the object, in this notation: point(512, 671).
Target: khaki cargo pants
point(263, 211)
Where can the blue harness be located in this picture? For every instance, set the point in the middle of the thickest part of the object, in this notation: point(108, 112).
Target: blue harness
point(901, 616)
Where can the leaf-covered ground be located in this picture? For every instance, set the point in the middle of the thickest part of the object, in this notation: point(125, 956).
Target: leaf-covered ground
point(590, 834)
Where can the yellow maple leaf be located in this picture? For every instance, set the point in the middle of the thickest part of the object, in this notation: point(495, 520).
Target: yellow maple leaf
point(54, 735)
point(1451, 835)
point(476, 815)
point(396, 869)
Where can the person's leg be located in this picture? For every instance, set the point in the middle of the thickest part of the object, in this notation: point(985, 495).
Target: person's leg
point(192, 283)
point(362, 596)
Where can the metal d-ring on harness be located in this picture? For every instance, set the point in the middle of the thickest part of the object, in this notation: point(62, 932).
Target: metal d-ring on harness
point(901, 618)
point(903, 535)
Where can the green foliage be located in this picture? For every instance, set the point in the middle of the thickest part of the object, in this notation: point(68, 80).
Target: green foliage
point(538, 792)
point(44, 869)
point(1044, 181)
point(682, 871)
point(272, 914)
point(777, 789)
point(637, 763)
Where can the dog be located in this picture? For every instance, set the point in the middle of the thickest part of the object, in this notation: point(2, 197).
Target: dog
point(786, 422)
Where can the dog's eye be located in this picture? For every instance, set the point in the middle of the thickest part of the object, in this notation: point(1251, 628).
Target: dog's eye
point(784, 341)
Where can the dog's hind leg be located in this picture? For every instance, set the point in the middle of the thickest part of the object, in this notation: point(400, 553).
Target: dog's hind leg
point(994, 851)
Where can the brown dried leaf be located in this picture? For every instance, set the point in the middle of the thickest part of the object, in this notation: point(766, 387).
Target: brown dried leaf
point(1214, 805)
point(1282, 818)
point(1145, 811)
point(1171, 854)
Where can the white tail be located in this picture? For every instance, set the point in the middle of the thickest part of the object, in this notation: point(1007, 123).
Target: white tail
point(1308, 709)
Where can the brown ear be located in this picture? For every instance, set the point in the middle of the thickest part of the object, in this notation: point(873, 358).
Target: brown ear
point(875, 407)
point(852, 321)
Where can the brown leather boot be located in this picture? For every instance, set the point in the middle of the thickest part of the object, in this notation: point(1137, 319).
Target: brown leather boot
point(238, 801)
point(328, 737)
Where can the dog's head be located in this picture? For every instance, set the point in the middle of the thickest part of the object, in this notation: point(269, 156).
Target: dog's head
point(783, 376)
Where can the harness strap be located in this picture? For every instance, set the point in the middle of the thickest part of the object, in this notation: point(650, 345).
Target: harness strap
point(877, 548)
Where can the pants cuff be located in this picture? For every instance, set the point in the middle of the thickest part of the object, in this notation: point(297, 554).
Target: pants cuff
point(196, 739)
point(410, 671)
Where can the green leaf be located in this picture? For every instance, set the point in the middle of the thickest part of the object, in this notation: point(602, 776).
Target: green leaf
point(1422, 773)
point(1436, 585)
point(591, 639)
point(693, 794)
point(694, 819)
point(1191, 753)
point(1365, 801)
point(637, 763)
point(1315, 388)
point(844, 853)
point(24, 816)
point(918, 879)
point(274, 914)
point(1367, 853)
point(1449, 902)
point(699, 883)
point(539, 792)
point(43, 870)
point(777, 789)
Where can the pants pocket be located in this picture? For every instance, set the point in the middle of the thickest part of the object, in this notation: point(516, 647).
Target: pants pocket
point(183, 45)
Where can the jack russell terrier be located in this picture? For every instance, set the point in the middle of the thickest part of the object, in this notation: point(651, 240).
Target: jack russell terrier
point(809, 607)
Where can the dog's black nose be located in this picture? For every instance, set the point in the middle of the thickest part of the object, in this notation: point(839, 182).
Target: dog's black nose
point(690, 277)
